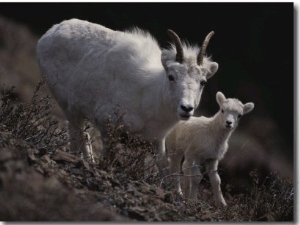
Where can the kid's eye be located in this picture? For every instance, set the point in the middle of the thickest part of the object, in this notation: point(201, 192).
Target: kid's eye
point(222, 111)
point(239, 116)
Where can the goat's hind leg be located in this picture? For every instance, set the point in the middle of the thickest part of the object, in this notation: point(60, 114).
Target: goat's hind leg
point(192, 178)
point(215, 180)
point(80, 139)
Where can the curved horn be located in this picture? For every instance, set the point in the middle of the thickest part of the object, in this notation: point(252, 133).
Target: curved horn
point(178, 45)
point(203, 48)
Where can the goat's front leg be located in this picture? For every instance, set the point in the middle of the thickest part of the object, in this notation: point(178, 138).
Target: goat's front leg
point(215, 180)
point(161, 160)
point(175, 160)
point(88, 149)
point(192, 178)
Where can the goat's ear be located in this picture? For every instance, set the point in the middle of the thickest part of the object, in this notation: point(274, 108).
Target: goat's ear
point(212, 68)
point(165, 58)
point(220, 97)
point(248, 107)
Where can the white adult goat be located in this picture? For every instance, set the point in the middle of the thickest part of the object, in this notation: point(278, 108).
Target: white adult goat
point(204, 140)
point(91, 70)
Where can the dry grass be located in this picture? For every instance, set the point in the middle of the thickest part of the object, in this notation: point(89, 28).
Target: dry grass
point(121, 180)
point(127, 152)
point(31, 122)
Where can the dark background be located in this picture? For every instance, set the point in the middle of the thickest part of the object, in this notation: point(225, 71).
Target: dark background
point(253, 44)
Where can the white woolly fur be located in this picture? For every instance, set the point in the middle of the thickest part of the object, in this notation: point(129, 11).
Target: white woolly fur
point(92, 69)
point(204, 140)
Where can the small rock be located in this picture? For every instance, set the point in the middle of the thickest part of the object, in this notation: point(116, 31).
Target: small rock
point(65, 156)
point(5, 155)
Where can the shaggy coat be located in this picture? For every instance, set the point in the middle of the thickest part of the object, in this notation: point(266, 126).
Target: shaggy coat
point(92, 70)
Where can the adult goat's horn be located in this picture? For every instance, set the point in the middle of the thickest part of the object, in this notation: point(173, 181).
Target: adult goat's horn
point(203, 48)
point(178, 45)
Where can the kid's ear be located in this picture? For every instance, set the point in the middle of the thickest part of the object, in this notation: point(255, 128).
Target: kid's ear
point(248, 107)
point(220, 97)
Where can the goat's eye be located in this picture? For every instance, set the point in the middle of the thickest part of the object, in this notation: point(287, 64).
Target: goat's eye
point(239, 116)
point(171, 78)
point(222, 110)
point(203, 82)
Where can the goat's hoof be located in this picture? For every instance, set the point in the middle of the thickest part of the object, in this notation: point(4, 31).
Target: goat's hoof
point(221, 205)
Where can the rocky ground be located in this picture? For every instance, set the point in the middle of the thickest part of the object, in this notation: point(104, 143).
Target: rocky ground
point(41, 181)
point(37, 187)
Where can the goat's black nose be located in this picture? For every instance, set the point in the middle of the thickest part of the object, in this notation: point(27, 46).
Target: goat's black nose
point(228, 122)
point(187, 108)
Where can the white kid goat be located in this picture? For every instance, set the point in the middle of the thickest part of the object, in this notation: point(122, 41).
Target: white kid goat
point(91, 70)
point(202, 140)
